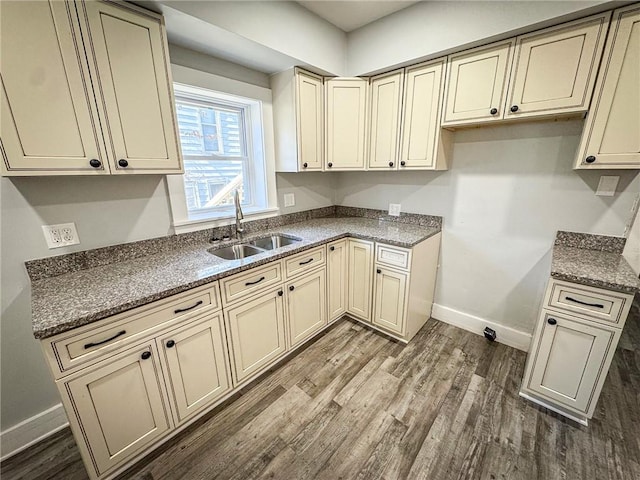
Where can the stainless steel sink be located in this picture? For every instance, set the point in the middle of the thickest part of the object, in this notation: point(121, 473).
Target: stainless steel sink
point(274, 241)
point(235, 252)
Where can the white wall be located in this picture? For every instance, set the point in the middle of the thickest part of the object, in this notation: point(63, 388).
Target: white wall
point(427, 29)
point(632, 247)
point(508, 190)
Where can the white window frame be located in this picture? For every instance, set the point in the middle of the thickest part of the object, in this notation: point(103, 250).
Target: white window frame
point(260, 139)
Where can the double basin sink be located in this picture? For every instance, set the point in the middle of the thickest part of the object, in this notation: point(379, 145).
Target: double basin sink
point(253, 247)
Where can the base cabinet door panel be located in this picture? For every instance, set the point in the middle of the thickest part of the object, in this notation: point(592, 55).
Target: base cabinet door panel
point(49, 123)
point(256, 333)
point(569, 359)
point(196, 367)
point(611, 136)
point(554, 69)
point(360, 281)
point(306, 306)
point(119, 405)
point(389, 299)
point(337, 255)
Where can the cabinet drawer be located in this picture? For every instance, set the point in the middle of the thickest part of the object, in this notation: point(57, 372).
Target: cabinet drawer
point(393, 256)
point(90, 343)
point(243, 284)
point(604, 305)
point(304, 261)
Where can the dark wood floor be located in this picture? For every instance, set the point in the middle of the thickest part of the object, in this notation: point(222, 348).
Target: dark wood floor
point(355, 405)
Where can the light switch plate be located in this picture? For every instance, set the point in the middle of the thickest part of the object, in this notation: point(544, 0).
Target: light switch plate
point(607, 186)
point(61, 235)
point(394, 209)
point(289, 199)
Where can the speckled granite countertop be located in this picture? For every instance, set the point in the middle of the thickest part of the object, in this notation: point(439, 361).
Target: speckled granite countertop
point(593, 260)
point(68, 301)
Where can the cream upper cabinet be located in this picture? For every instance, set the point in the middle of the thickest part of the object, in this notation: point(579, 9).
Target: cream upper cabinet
point(346, 131)
point(337, 285)
point(554, 70)
point(570, 359)
point(611, 135)
point(130, 66)
point(476, 85)
point(195, 361)
point(421, 146)
point(298, 115)
point(306, 306)
point(255, 333)
point(48, 119)
point(118, 407)
point(390, 299)
point(360, 278)
point(385, 105)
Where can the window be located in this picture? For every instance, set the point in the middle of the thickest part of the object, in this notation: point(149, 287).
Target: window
point(221, 137)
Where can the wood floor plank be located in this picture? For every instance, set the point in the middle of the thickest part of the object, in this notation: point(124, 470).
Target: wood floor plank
point(355, 405)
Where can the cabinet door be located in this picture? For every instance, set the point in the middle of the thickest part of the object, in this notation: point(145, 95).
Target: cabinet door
point(310, 121)
point(256, 333)
point(390, 299)
point(476, 84)
point(611, 136)
point(306, 306)
point(48, 119)
point(130, 58)
point(421, 115)
point(554, 69)
point(337, 279)
point(360, 281)
point(569, 360)
point(385, 105)
point(119, 406)
point(195, 362)
point(346, 123)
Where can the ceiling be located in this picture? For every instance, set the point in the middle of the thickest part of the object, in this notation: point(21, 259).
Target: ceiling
point(350, 15)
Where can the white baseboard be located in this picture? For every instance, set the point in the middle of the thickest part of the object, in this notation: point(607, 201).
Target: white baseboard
point(31, 431)
point(509, 336)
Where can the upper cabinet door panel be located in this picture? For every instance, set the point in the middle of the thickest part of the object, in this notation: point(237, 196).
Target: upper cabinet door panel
point(385, 106)
point(310, 116)
point(554, 69)
point(476, 84)
point(129, 51)
point(346, 123)
point(47, 118)
point(421, 121)
point(611, 135)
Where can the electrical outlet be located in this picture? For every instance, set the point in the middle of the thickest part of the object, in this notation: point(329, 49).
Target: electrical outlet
point(394, 209)
point(289, 199)
point(607, 186)
point(61, 235)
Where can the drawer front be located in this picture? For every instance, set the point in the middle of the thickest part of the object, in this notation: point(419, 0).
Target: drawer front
point(89, 343)
point(393, 256)
point(243, 284)
point(603, 305)
point(305, 261)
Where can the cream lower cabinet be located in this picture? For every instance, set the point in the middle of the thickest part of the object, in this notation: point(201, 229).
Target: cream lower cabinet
point(117, 407)
point(611, 135)
point(360, 278)
point(306, 306)
point(337, 278)
point(256, 333)
point(389, 295)
point(572, 347)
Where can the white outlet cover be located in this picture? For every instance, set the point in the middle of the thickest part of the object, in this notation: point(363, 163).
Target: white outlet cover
point(61, 235)
point(394, 209)
point(289, 199)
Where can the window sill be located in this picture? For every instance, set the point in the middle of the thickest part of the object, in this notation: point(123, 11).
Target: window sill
point(226, 219)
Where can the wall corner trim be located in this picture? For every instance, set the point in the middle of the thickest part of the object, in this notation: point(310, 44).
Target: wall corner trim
point(32, 430)
point(507, 335)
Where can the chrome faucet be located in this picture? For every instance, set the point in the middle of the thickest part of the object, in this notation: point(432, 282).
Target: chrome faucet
point(239, 215)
